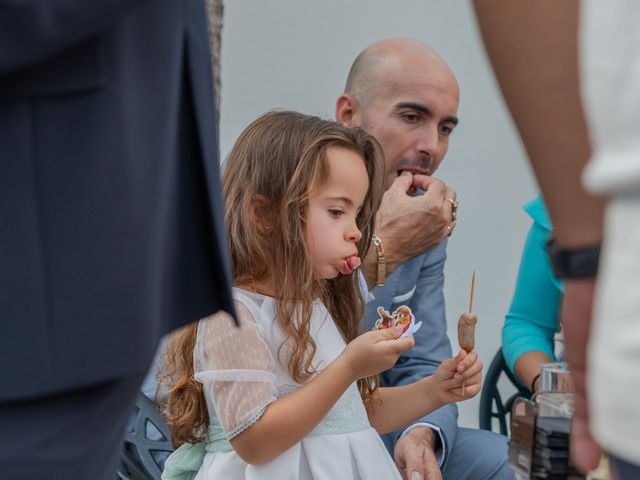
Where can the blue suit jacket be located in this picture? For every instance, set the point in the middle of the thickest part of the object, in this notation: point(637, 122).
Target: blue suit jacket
point(418, 283)
point(111, 226)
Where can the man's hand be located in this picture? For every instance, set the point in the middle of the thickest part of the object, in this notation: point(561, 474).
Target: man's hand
point(576, 322)
point(415, 455)
point(408, 225)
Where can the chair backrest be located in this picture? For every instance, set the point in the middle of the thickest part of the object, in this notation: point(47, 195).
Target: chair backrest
point(147, 443)
point(492, 405)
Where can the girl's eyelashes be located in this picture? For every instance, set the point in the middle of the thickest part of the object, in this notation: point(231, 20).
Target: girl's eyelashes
point(335, 212)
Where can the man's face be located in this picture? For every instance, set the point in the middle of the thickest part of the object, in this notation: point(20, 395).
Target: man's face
point(412, 112)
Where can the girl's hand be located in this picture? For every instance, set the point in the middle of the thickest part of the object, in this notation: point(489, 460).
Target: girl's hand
point(374, 352)
point(452, 373)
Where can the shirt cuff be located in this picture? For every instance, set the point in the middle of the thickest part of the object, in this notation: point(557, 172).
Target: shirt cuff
point(440, 451)
point(368, 296)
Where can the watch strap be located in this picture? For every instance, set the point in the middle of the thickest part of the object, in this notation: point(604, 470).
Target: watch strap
point(573, 263)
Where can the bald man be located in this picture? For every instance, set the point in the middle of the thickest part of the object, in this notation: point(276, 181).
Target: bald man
point(401, 92)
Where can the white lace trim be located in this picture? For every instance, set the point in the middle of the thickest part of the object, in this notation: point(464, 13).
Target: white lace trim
point(241, 428)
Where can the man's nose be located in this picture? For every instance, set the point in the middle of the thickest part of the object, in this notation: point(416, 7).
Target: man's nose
point(428, 141)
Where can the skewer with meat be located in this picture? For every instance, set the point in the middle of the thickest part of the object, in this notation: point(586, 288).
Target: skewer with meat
point(467, 331)
point(467, 326)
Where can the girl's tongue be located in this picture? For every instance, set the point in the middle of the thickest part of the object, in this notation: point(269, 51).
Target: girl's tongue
point(349, 264)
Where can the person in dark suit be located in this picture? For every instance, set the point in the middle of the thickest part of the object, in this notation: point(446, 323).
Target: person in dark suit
point(110, 218)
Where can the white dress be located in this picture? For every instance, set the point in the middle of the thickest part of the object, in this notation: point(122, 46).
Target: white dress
point(241, 375)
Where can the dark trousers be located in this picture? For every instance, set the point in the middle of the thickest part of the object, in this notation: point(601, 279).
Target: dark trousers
point(623, 470)
point(73, 435)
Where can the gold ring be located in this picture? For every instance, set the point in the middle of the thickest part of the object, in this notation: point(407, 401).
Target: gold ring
point(450, 230)
point(454, 209)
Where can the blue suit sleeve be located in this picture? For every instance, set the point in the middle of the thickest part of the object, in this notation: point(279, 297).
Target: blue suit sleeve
point(32, 30)
point(532, 320)
point(432, 343)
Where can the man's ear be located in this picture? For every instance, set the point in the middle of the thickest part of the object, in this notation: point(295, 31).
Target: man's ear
point(348, 111)
point(261, 214)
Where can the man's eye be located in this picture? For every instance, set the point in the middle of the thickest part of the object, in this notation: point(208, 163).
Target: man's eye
point(335, 212)
point(446, 129)
point(411, 117)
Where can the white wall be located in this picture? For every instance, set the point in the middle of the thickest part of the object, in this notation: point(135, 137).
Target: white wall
point(295, 54)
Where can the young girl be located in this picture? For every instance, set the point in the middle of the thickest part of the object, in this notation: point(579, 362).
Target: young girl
point(291, 393)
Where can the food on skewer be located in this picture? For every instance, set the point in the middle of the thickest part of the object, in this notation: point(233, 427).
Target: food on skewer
point(467, 331)
point(467, 326)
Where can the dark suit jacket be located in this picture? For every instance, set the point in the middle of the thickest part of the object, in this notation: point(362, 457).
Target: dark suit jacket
point(110, 210)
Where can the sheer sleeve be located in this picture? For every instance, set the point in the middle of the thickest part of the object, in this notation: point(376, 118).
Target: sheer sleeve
point(235, 366)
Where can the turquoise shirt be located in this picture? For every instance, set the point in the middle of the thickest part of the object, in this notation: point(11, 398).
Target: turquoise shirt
point(532, 320)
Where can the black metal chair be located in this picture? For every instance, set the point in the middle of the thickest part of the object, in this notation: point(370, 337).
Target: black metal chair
point(147, 443)
point(492, 405)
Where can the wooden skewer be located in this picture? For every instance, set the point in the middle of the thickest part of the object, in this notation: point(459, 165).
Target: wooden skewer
point(473, 283)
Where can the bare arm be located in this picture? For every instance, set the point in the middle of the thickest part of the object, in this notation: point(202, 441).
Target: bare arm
point(533, 49)
point(396, 407)
point(294, 416)
point(528, 366)
point(289, 419)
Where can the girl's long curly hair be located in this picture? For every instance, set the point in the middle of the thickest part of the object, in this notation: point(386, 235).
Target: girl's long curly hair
point(279, 159)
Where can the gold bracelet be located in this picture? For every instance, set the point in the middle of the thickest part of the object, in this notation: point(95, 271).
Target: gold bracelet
point(382, 270)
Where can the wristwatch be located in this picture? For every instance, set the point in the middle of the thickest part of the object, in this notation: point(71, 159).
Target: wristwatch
point(574, 263)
